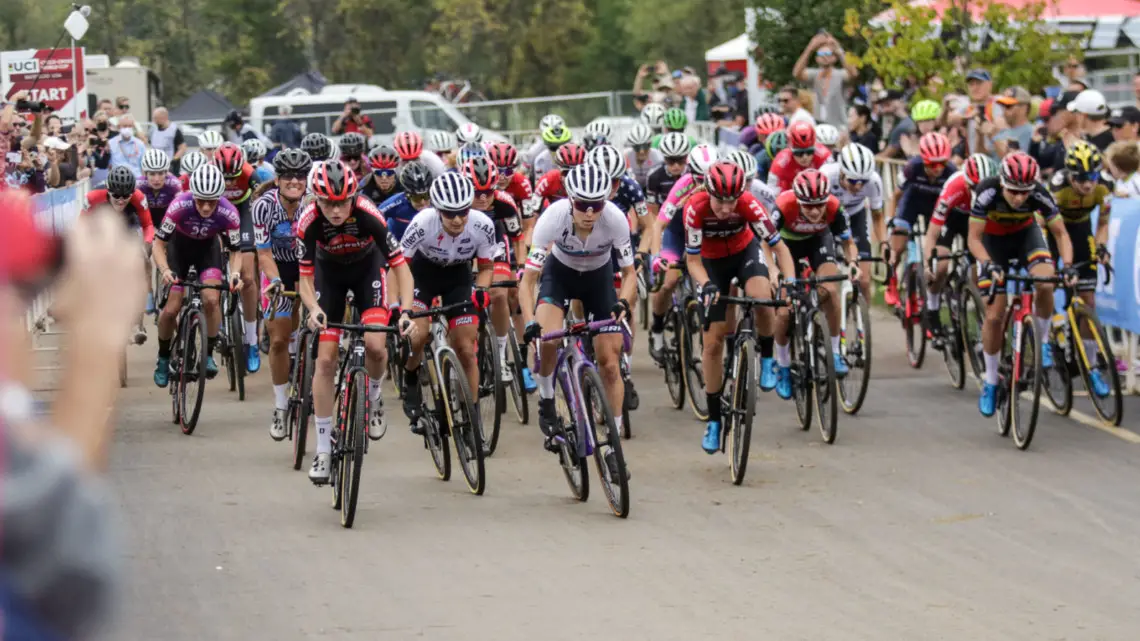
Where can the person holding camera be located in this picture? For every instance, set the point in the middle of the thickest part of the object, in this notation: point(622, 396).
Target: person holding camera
point(237, 131)
point(352, 120)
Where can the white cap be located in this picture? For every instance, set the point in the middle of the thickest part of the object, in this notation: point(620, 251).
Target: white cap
point(1090, 102)
point(52, 142)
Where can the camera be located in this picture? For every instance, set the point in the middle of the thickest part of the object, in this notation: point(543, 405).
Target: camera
point(29, 105)
point(356, 111)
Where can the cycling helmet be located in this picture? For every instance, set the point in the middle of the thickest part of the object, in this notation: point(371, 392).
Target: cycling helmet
point(352, 145)
point(230, 159)
point(120, 181)
point(587, 182)
point(609, 160)
point(470, 150)
point(767, 108)
point(925, 110)
point(675, 145)
point(639, 134)
point(191, 161)
point(452, 192)
point(442, 141)
point(292, 161)
point(700, 159)
point(333, 180)
point(207, 182)
point(934, 148)
point(469, 132)
point(653, 115)
point(551, 121)
point(155, 161)
point(811, 187)
point(600, 127)
point(745, 161)
point(383, 157)
point(569, 155)
point(317, 146)
point(415, 177)
point(827, 135)
point(210, 139)
point(409, 144)
point(254, 150)
point(1082, 158)
point(233, 117)
point(801, 136)
point(979, 167)
point(675, 119)
point(555, 136)
point(594, 140)
point(857, 162)
point(725, 180)
point(482, 172)
point(1019, 172)
point(769, 123)
point(504, 155)
point(776, 142)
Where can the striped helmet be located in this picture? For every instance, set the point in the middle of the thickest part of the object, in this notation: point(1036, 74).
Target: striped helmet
point(653, 115)
point(1019, 172)
point(601, 128)
point(725, 180)
point(811, 187)
point(409, 144)
point(675, 145)
point(801, 136)
point(469, 132)
point(383, 157)
point(639, 134)
point(857, 162)
point(587, 182)
point(569, 155)
point(700, 159)
point(827, 135)
point(934, 148)
point(207, 182)
point(452, 192)
point(609, 159)
point(442, 141)
point(482, 173)
point(191, 161)
point(768, 123)
point(504, 155)
point(980, 167)
point(155, 161)
point(210, 139)
point(745, 161)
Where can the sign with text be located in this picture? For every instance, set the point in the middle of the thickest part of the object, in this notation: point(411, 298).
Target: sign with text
point(48, 77)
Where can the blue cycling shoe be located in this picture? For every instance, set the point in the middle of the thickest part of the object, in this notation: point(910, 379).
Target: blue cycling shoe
point(162, 372)
point(711, 442)
point(211, 367)
point(784, 382)
point(840, 364)
point(767, 374)
point(528, 381)
point(150, 303)
point(253, 359)
point(988, 401)
point(1099, 385)
point(1046, 356)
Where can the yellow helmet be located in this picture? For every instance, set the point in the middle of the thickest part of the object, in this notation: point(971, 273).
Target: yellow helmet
point(1083, 158)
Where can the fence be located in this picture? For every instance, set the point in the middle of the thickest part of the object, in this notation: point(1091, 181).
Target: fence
point(54, 211)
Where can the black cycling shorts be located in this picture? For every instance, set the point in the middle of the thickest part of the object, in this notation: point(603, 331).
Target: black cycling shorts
point(860, 225)
point(289, 273)
point(246, 211)
point(957, 224)
point(451, 283)
point(1084, 249)
point(364, 278)
point(561, 284)
point(743, 266)
point(818, 250)
point(1027, 246)
point(183, 252)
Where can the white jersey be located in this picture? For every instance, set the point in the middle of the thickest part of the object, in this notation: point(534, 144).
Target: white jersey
point(556, 227)
point(425, 236)
point(534, 150)
point(433, 162)
point(640, 171)
point(543, 162)
point(763, 193)
point(854, 203)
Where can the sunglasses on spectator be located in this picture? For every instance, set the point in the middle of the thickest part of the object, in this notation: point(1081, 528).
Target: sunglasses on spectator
point(451, 215)
point(588, 206)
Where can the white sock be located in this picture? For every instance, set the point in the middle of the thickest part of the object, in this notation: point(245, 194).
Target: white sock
point(293, 344)
point(1091, 350)
point(502, 346)
point(784, 355)
point(251, 332)
point(373, 389)
point(324, 435)
point(933, 301)
point(281, 396)
point(991, 375)
point(617, 422)
point(545, 385)
point(1043, 326)
point(834, 344)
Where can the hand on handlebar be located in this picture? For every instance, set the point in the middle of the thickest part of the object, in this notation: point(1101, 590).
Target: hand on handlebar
point(1102, 255)
point(407, 327)
point(168, 278)
point(853, 272)
point(532, 332)
point(710, 294)
point(275, 287)
point(235, 282)
point(1071, 276)
point(317, 319)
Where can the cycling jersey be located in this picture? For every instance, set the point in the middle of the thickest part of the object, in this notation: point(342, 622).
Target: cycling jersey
point(273, 229)
point(426, 237)
point(548, 188)
point(682, 188)
point(1073, 206)
point(157, 200)
point(789, 219)
point(361, 234)
point(641, 171)
point(714, 237)
point(954, 200)
point(398, 212)
point(519, 188)
point(658, 184)
point(182, 217)
point(556, 226)
point(135, 212)
point(763, 193)
point(1000, 217)
point(372, 190)
point(508, 228)
point(853, 203)
point(763, 163)
point(239, 189)
point(919, 192)
point(630, 196)
point(543, 163)
point(784, 167)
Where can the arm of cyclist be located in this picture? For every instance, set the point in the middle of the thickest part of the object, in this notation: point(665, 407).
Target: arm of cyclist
point(306, 288)
point(261, 243)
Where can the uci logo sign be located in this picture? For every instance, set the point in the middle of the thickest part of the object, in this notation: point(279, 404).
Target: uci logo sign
point(28, 65)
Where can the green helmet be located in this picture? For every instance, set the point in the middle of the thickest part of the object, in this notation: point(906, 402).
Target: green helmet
point(776, 142)
point(675, 119)
point(925, 110)
point(556, 136)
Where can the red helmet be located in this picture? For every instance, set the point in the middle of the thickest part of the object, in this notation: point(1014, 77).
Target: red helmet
point(801, 136)
point(569, 155)
point(482, 173)
point(1019, 172)
point(384, 157)
point(724, 180)
point(934, 148)
point(409, 144)
point(504, 155)
point(333, 180)
point(230, 159)
point(769, 123)
point(811, 187)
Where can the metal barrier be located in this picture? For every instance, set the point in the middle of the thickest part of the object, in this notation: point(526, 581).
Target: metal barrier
point(54, 212)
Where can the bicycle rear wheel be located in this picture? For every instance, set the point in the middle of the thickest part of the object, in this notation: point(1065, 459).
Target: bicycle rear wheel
point(823, 368)
point(856, 346)
point(303, 388)
point(913, 300)
point(396, 363)
point(517, 389)
point(671, 360)
point(743, 409)
point(1026, 378)
point(192, 375)
point(973, 314)
point(573, 463)
point(352, 452)
point(492, 398)
point(952, 352)
point(692, 353)
point(464, 420)
point(237, 341)
point(1109, 408)
point(1058, 380)
point(607, 443)
point(802, 376)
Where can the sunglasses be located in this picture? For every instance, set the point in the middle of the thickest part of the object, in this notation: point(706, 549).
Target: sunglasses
point(724, 202)
point(856, 182)
point(589, 206)
point(120, 198)
point(451, 215)
point(293, 175)
point(803, 152)
point(419, 198)
point(1118, 125)
point(1090, 177)
point(640, 148)
point(935, 166)
point(484, 192)
point(506, 171)
point(812, 207)
point(384, 173)
point(675, 161)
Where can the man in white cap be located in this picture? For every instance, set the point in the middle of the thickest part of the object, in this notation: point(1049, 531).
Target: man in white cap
point(1092, 110)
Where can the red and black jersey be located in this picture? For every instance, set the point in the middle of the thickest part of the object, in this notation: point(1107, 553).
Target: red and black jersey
point(519, 188)
point(714, 237)
point(363, 232)
point(136, 210)
point(549, 188)
point(239, 189)
point(793, 225)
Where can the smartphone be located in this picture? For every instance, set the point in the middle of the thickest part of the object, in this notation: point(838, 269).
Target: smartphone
point(14, 157)
point(43, 158)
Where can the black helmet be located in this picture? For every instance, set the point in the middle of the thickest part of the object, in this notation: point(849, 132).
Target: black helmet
point(293, 161)
point(233, 117)
point(120, 181)
point(352, 144)
point(415, 178)
point(317, 146)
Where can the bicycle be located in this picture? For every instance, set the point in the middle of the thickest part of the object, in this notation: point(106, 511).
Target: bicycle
point(813, 367)
point(671, 357)
point(690, 342)
point(301, 365)
point(911, 289)
point(952, 337)
point(492, 396)
point(643, 288)
point(188, 359)
point(581, 405)
point(855, 343)
point(230, 340)
point(451, 404)
point(517, 389)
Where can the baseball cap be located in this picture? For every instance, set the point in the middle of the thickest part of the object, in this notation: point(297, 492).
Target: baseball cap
point(890, 94)
point(979, 74)
point(54, 142)
point(1123, 115)
point(1046, 109)
point(1062, 102)
point(1015, 96)
point(1090, 102)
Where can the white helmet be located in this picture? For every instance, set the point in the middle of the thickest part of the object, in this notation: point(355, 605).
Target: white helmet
point(254, 150)
point(155, 161)
point(826, 135)
point(441, 141)
point(653, 115)
point(452, 192)
point(551, 121)
point(191, 161)
point(745, 161)
point(639, 134)
point(587, 182)
point(600, 127)
point(469, 132)
point(675, 145)
point(608, 159)
point(700, 159)
point(207, 182)
point(210, 139)
point(857, 162)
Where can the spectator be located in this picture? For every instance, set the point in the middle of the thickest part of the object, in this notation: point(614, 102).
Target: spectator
point(1092, 114)
point(352, 120)
point(891, 104)
point(792, 107)
point(693, 100)
point(721, 93)
point(28, 173)
point(53, 126)
point(8, 129)
point(982, 115)
point(1123, 161)
point(828, 82)
point(286, 133)
point(125, 148)
point(237, 131)
point(107, 107)
point(1059, 129)
point(1125, 123)
point(167, 136)
point(859, 127)
point(99, 148)
point(59, 172)
point(123, 108)
point(1018, 132)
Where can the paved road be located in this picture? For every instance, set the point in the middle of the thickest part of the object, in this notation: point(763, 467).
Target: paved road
point(920, 523)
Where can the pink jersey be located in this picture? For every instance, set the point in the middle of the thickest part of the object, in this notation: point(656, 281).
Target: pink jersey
point(683, 187)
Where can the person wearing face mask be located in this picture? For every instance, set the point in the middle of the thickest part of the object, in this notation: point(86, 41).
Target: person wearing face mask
point(126, 149)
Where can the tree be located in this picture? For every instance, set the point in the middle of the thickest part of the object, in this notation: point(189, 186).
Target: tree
point(784, 27)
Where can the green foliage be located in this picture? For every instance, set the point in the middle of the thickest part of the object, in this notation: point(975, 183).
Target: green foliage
point(787, 26)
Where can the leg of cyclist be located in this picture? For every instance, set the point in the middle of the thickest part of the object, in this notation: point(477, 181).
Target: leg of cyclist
point(331, 288)
point(906, 216)
point(662, 300)
point(249, 295)
point(937, 243)
point(550, 317)
point(501, 316)
point(280, 328)
point(167, 321)
point(1040, 262)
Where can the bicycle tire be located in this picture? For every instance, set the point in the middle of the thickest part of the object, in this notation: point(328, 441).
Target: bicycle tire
point(352, 460)
point(973, 317)
point(573, 464)
point(914, 300)
point(1026, 378)
point(518, 392)
point(305, 363)
point(237, 341)
point(671, 360)
point(594, 398)
point(491, 395)
point(860, 331)
point(743, 411)
point(1058, 383)
point(802, 377)
point(825, 388)
point(462, 417)
point(194, 343)
point(1005, 370)
point(694, 376)
point(395, 364)
point(175, 368)
point(952, 352)
point(627, 385)
point(1111, 411)
point(643, 298)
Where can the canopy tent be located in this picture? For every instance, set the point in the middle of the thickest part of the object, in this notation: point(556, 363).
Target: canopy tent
point(732, 54)
point(306, 83)
point(205, 106)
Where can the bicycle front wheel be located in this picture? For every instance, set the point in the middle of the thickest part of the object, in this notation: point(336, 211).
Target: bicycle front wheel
point(973, 315)
point(608, 455)
point(237, 341)
point(464, 421)
point(352, 454)
point(1058, 379)
point(192, 375)
point(517, 388)
point(743, 409)
point(491, 397)
point(802, 376)
point(952, 352)
point(396, 363)
point(671, 360)
point(823, 368)
point(1026, 378)
point(570, 447)
point(303, 388)
point(856, 351)
point(1110, 407)
point(913, 300)
point(692, 353)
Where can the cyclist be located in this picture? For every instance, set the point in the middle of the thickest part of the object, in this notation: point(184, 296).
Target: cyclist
point(209, 142)
point(275, 216)
point(828, 136)
point(398, 210)
point(776, 142)
point(810, 218)
point(758, 188)
point(353, 146)
point(553, 137)
point(157, 184)
point(640, 156)
point(549, 187)
point(674, 120)
point(803, 153)
point(722, 226)
point(346, 247)
point(410, 146)
point(753, 138)
point(240, 185)
point(255, 152)
point(925, 114)
point(625, 192)
point(1003, 226)
point(549, 121)
point(443, 144)
point(188, 239)
point(468, 152)
point(381, 183)
point(441, 242)
point(318, 146)
point(469, 132)
point(571, 251)
point(653, 115)
point(597, 133)
point(859, 188)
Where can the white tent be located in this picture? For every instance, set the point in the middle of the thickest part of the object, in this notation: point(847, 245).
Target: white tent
point(735, 49)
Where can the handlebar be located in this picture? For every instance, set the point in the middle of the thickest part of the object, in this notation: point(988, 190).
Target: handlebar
point(439, 311)
point(813, 281)
point(363, 329)
point(579, 329)
point(754, 302)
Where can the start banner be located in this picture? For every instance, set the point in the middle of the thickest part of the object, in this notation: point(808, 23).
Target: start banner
point(55, 72)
